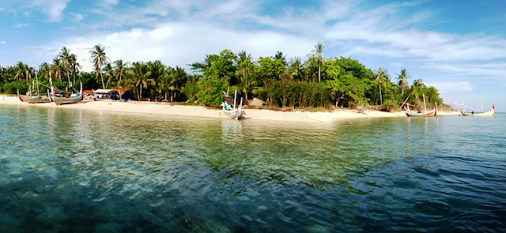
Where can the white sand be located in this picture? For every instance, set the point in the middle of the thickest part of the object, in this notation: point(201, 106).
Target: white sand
point(199, 111)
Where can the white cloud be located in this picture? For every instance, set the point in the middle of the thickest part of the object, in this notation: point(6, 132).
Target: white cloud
point(77, 17)
point(2, 42)
point(21, 25)
point(53, 8)
point(451, 86)
point(178, 44)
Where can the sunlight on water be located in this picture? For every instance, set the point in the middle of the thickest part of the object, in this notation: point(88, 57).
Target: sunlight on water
point(84, 171)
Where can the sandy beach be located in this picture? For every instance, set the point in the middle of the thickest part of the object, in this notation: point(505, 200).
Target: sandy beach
point(143, 107)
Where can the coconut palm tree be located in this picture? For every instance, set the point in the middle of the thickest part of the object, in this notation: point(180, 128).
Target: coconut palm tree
point(246, 75)
point(279, 56)
point(99, 59)
point(109, 71)
point(381, 77)
point(141, 77)
point(296, 68)
point(119, 70)
point(66, 61)
point(74, 66)
point(56, 68)
point(317, 54)
point(243, 56)
point(403, 80)
point(21, 71)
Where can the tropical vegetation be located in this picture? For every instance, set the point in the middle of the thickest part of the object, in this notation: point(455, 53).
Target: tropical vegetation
point(314, 83)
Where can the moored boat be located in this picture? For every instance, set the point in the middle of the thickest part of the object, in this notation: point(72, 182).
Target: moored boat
point(229, 107)
point(431, 113)
point(73, 98)
point(489, 113)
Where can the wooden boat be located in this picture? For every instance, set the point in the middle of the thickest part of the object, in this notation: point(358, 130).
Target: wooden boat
point(74, 98)
point(34, 99)
point(229, 107)
point(431, 113)
point(489, 113)
point(68, 100)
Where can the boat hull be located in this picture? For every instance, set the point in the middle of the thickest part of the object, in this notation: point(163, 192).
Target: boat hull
point(431, 113)
point(34, 99)
point(64, 100)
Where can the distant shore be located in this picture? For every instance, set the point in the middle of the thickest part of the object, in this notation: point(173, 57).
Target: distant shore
point(163, 108)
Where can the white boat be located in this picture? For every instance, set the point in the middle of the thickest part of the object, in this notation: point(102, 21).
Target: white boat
point(431, 113)
point(74, 98)
point(489, 113)
point(229, 107)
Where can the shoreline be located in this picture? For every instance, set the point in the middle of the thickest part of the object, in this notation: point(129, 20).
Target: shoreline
point(143, 107)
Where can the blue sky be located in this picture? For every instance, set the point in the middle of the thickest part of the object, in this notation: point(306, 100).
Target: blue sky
point(458, 46)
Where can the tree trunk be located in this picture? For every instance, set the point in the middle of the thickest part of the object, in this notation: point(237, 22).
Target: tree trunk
point(101, 77)
point(319, 74)
point(381, 98)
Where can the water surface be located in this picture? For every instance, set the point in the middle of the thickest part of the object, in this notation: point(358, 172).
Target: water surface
point(64, 170)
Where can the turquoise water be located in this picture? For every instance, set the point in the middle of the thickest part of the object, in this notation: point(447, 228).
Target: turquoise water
point(67, 170)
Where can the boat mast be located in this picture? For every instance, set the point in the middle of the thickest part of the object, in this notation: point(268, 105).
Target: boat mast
point(37, 78)
point(424, 102)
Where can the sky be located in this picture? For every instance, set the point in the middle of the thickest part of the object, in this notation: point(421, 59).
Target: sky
point(457, 46)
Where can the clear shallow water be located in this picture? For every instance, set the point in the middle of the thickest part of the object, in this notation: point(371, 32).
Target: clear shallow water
point(81, 171)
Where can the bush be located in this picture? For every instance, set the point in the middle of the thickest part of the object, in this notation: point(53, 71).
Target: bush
point(388, 106)
point(13, 87)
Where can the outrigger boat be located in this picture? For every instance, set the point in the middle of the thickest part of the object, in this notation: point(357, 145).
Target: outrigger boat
point(73, 98)
point(229, 107)
point(489, 113)
point(35, 99)
point(431, 113)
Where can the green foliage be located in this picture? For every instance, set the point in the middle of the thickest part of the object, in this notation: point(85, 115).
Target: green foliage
point(388, 105)
point(344, 81)
point(191, 89)
point(217, 78)
point(13, 87)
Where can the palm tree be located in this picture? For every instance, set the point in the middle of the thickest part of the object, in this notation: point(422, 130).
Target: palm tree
point(21, 71)
point(66, 60)
point(140, 77)
point(178, 79)
point(381, 77)
point(109, 73)
point(246, 75)
point(242, 56)
point(296, 68)
point(279, 56)
point(99, 59)
point(56, 68)
point(119, 70)
point(74, 66)
point(317, 54)
point(403, 80)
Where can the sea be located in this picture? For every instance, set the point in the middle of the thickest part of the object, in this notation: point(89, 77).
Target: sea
point(68, 170)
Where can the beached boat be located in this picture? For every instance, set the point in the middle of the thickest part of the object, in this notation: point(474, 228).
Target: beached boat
point(229, 107)
point(489, 113)
point(34, 99)
point(62, 99)
point(431, 113)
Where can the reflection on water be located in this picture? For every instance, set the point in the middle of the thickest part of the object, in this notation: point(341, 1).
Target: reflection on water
point(83, 171)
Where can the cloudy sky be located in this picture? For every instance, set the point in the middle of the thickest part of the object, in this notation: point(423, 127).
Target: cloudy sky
point(458, 46)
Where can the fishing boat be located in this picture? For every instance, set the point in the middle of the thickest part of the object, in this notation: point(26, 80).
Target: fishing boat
point(35, 99)
point(489, 113)
point(60, 99)
point(229, 107)
point(431, 113)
